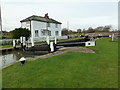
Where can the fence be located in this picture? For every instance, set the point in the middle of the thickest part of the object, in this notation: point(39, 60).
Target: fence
point(43, 38)
point(8, 41)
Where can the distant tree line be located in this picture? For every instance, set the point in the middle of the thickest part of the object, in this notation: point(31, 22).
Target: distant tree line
point(106, 28)
point(16, 33)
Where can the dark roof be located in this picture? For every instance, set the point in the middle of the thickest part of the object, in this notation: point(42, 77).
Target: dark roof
point(40, 18)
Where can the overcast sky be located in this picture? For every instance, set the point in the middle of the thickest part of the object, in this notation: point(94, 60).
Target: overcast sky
point(79, 13)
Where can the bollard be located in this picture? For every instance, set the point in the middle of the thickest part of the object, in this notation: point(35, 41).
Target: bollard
point(22, 60)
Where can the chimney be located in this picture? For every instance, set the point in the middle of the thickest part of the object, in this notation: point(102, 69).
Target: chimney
point(46, 15)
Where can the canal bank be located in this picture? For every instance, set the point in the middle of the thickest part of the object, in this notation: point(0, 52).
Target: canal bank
point(58, 52)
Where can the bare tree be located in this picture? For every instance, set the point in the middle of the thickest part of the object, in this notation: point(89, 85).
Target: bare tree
point(65, 31)
point(79, 31)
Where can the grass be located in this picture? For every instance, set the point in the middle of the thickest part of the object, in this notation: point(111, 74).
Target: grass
point(5, 46)
point(68, 70)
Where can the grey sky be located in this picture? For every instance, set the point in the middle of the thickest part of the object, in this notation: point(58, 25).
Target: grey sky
point(80, 14)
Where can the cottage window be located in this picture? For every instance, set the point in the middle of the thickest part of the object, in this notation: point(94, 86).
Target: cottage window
point(43, 32)
point(46, 33)
point(49, 33)
point(48, 24)
point(56, 25)
point(56, 33)
point(36, 33)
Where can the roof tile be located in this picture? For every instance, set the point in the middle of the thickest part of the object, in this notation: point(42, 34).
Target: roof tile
point(40, 18)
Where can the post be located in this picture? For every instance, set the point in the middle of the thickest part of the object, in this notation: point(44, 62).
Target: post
point(21, 41)
point(112, 37)
point(32, 41)
point(51, 46)
point(14, 44)
point(24, 41)
point(47, 40)
point(55, 40)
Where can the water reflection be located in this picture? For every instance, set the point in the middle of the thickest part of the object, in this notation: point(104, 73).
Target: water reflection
point(10, 57)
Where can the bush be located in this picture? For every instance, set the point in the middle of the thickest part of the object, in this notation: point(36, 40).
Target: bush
point(18, 32)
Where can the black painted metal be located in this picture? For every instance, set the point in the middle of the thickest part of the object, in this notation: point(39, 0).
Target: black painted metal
point(39, 48)
point(36, 52)
point(72, 44)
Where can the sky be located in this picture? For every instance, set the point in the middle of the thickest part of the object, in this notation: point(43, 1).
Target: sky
point(78, 13)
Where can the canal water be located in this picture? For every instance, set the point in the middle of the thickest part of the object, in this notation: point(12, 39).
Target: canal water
point(12, 56)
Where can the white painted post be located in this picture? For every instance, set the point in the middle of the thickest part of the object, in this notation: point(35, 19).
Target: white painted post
point(24, 40)
point(14, 44)
point(32, 41)
point(22, 60)
point(47, 40)
point(55, 40)
point(51, 46)
point(112, 37)
point(21, 39)
point(17, 41)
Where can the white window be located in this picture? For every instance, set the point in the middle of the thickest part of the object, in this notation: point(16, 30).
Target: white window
point(46, 33)
point(43, 32)
point(48, 24)
point(36, 33)
point(56, 25)
point(56, 33)
point(49, 33)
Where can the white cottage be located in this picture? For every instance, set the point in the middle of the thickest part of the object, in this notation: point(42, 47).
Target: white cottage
point(41, 27)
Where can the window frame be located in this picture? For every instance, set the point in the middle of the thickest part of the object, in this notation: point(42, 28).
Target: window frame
point(48, 24)
point(36, 33)
point(56, 33)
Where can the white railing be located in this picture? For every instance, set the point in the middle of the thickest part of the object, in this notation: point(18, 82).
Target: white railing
point(7, 41)
point(43, 38)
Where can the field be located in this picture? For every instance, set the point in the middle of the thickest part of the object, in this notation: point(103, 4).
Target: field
point(68, 70)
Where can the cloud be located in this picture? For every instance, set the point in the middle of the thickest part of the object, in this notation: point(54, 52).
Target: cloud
point(55, 1)
point(78, 14)
point(94, 22)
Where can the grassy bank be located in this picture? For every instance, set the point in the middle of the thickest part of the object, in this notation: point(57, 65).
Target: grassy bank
point(69, 70)
point(5, 46)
